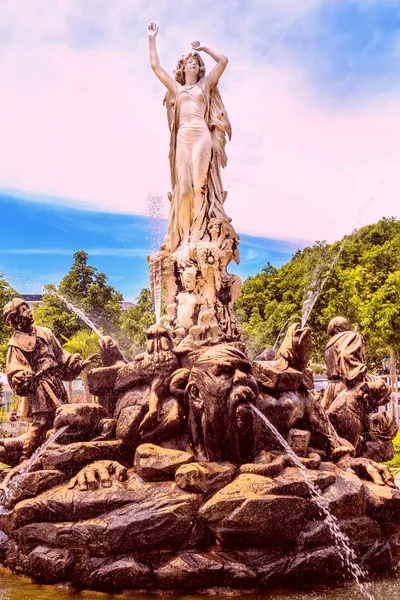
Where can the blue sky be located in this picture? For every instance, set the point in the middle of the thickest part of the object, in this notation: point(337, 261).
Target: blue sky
point(311, 89)
point(39, 242)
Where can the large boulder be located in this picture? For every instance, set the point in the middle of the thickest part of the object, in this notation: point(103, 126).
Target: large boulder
point(204, 477)
point(155, 463)
point(49, 565)
point(247, 512)
point(131, 516)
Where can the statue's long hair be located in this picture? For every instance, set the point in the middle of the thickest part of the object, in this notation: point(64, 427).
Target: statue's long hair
point(179, 72)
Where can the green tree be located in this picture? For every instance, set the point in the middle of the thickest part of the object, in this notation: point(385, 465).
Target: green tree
point(362, 273)
point(84, 342)
point(137, 319)
point(85, 288)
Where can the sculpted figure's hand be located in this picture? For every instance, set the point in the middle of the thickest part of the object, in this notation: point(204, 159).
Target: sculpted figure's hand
point(368, 469)
point(152, 29)
point(98, 474)
point(25, 380)
point(198, 46)
point(93, 358)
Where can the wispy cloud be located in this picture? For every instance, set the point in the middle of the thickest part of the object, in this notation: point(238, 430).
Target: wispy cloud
point(312, 91)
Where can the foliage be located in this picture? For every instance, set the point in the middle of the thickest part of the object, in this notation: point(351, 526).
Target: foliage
point(7, 293)
point(363, 284)
point(137, 319)
point(84, 342)
point(86, 289)
point(395, 462)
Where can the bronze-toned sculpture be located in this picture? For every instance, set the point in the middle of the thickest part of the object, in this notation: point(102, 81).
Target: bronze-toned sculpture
point(344, 359)
point(353, 395)
point(36, 366)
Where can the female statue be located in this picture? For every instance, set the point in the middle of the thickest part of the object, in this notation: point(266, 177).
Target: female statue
point(199, 124)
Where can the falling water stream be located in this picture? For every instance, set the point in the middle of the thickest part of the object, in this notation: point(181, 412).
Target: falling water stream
point(28, 465)
point(79, 313)
point(347, 555)
point(318, 281)
point(282, 328)
point(155, 277)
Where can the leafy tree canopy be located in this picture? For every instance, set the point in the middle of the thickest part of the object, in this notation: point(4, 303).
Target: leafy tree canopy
point(137, 319)
point(86, 288)
point(362, 274)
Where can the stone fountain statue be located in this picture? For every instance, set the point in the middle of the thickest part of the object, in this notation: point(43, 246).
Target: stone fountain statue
point(198, 468)
point(36, 367)
point(201, 241)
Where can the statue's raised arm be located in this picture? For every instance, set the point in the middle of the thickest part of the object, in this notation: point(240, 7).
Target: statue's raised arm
point(170, 84)
point(221, 60)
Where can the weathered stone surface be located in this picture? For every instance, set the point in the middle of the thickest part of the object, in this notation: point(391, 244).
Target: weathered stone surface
point(318, 566)
point(292, 482)
point(81, 418)
point(359, 531)
point(204, 478)
point(378, 557)
point(245, 511)
point(72, 457)
point(383, 502)
point(55, 504)
point(161, 516)
point(4, 543)
point(128, 423)
point(190, 570)
point(48, 564)
point(102, 379)
point(271, 378)
point(273, 572)
point(124, 573)
point(345, 497)
point(155, 463)
point(298, 440)
point(394, 544)
point(236, 573)
point(4, 471)
point(32, 484)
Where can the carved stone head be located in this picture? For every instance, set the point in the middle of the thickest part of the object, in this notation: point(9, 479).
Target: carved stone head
point(189, 278)
point(219, 390)
point(192, 61)
point(337, 325)
point(18, 315)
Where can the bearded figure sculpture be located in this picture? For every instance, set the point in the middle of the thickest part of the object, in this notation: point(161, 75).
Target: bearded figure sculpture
point(219, 392)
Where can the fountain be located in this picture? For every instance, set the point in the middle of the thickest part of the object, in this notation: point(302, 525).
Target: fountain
point(318, 280)
point(348, 556)
point(197, 468)
point(79, 313)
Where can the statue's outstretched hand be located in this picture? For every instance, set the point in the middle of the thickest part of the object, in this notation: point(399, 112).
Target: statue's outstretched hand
point(152, 29)
point(366, 468)
point(98, 474)
point(93, 358)
point(198, 46)
point(25, 382)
